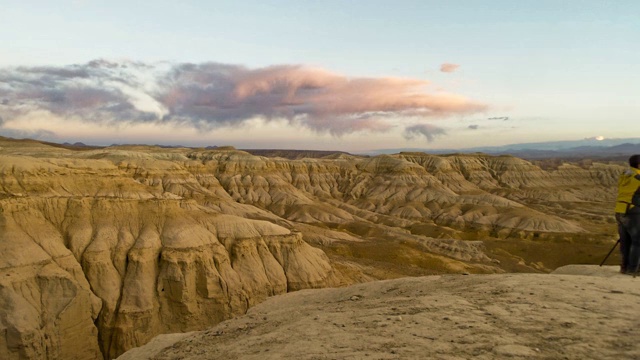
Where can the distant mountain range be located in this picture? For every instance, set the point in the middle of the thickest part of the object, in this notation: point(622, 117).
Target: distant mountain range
point(615, 149)
point(591, 148)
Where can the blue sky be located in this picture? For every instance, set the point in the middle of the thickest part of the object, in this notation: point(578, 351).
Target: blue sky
point(559, 70)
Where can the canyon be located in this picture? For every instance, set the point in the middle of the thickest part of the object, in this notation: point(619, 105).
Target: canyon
point(102, 249)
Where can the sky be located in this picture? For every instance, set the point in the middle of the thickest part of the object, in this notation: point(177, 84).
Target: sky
point(327, 75)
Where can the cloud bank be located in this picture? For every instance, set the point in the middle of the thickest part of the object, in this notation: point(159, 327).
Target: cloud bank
point(210, 95)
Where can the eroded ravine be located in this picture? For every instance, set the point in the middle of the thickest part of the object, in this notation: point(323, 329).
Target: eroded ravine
point(101, 250)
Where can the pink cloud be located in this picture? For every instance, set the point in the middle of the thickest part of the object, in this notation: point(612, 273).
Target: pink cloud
point(449, 68)
point(317, 98)
point(213, 94)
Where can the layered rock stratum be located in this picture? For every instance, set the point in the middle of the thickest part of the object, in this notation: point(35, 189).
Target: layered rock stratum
point(581, 312)
point(101, 249)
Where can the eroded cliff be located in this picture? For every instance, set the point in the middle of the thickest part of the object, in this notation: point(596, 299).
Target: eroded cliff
point(93, 260)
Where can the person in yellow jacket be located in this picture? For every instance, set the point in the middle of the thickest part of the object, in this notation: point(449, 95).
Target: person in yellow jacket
point(628, 216)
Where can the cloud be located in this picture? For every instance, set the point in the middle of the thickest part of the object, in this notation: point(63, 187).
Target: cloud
point(473, 127)
point(597, 138)
point(96, 91)
point(210, 95)
point(37, 134)
point(449, 68)
point(430, 132)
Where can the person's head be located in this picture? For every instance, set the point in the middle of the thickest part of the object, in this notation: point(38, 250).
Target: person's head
point(634, 161)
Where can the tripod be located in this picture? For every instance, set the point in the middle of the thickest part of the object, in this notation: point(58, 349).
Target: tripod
point(610, 251)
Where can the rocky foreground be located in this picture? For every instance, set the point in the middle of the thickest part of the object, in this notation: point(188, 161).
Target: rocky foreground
point(579, 312)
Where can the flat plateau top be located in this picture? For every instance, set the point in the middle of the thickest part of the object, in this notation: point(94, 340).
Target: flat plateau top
point(580, 312)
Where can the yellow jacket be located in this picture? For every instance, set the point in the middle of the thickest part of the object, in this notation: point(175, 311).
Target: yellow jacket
point(628, 186)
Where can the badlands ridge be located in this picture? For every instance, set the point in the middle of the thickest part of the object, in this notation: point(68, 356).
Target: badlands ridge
point(102, 249)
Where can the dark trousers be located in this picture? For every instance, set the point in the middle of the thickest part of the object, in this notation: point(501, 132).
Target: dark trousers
point(629, 231)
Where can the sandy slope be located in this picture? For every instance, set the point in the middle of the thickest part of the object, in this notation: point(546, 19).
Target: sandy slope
point(521, 316)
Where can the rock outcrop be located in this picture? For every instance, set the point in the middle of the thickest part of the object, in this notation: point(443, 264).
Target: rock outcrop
point(510, 316)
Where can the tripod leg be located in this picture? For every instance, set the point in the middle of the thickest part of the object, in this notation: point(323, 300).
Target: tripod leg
point(610, 251)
